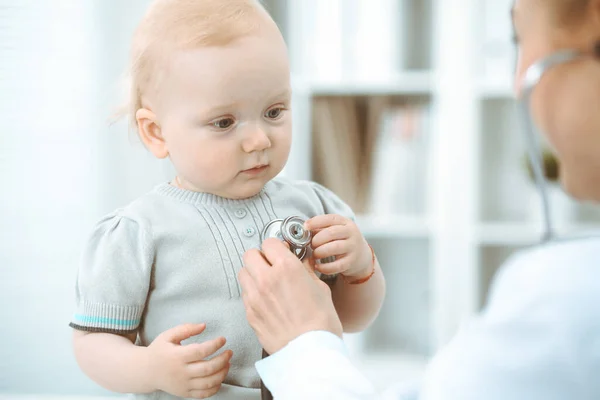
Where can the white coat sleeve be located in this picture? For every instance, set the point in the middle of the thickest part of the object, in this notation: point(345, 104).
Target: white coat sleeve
point(314, 366)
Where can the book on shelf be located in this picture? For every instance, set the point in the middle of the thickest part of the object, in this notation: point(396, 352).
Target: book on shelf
point(373, 153)
point(400, 162)
point(336, 148)
point(344, 133)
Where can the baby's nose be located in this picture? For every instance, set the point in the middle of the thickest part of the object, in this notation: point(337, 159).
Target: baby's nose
point(256, 140)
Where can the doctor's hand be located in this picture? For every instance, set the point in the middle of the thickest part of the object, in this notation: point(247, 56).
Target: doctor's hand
point(340, 237)
point(283, 297)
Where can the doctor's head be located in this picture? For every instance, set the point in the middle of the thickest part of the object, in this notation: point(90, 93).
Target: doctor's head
point(566, 103)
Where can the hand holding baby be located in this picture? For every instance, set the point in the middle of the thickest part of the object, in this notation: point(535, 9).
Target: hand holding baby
point(183, 370)
point(340, 237)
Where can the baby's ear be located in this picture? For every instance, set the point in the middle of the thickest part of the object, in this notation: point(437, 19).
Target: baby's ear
point(150, 133)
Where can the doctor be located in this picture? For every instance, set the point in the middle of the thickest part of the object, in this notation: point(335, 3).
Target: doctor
point(539, 336)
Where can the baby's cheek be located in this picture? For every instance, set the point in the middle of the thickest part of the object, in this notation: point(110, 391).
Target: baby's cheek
point(196, 161)
point(211, 164)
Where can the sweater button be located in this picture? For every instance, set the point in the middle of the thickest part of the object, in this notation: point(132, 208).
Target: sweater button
point(240, 213)
point(249, 231)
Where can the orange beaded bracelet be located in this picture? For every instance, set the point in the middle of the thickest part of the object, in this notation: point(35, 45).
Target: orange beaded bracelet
point(366, 278)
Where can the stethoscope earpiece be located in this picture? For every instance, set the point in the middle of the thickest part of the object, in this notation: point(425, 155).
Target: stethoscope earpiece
point(290, 230)
point(532, 77)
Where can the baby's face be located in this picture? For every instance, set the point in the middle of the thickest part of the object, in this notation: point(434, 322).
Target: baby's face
point(225, 115)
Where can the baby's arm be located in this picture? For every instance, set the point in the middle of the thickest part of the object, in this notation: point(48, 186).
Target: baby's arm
point(359, 305)
point(112, 288)
point(359, 287)
point(117, 364)
point(113, 361)
point(337, 235)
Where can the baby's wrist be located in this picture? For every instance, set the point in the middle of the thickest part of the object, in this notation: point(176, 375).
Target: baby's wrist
point(149, 370)
point(360, 274)
point(366, 267)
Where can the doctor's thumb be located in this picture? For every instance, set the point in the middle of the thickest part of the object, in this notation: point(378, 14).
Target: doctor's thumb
point(309, 263)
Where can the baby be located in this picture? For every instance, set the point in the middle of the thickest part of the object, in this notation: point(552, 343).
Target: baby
point(157, 291)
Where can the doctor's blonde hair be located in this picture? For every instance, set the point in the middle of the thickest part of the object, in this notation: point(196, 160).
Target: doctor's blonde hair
point(171, 25)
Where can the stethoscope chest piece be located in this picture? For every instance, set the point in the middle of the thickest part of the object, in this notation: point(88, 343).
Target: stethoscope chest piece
point(290, 230)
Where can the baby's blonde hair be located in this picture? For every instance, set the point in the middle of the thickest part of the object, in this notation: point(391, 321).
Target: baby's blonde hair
point(181, 25)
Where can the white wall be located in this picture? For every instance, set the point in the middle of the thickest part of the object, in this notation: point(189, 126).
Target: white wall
point(61, 168)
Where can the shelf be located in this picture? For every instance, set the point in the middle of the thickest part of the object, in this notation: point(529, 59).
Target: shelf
point(523, 234)
point(407, 83)
point(393, 226)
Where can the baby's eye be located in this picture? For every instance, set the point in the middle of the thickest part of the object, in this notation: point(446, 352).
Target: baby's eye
point(223, 123)
point(274, 113)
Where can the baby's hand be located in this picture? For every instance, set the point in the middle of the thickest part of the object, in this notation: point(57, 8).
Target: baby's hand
point(182, 370)
point(337, 236)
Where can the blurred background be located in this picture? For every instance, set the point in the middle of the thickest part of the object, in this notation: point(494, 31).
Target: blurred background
point(402, 107)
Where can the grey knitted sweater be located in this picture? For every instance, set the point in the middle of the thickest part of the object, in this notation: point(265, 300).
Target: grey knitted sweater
point(172, 257)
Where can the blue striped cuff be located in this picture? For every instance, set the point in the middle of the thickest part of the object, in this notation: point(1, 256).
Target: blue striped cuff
point(107, 316)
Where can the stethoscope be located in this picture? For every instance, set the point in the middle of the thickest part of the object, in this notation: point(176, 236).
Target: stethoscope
point(290, 230)
point(532, 77)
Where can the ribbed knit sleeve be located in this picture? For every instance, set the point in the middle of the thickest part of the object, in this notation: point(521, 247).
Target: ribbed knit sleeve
point(114, 277)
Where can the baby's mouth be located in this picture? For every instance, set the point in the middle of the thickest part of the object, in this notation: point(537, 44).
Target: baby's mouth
point(257, 169)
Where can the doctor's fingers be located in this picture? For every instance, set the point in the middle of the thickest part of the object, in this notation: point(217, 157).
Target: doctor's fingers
point(278, 254)
point(310, 265)
point(251, 297)
point(262, 274)
point(261, 297)
point(255, 262)
point(254, 302)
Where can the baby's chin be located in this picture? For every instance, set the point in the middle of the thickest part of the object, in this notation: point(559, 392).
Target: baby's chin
point(247, 189)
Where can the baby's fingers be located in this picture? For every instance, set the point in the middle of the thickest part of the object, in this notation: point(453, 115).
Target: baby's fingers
point(331, 249)
point(209, 383)
point(204, 394)
point(200, 351)
point(336, 267)
point(324, 221)
point(207, 368)
point(337, 232)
